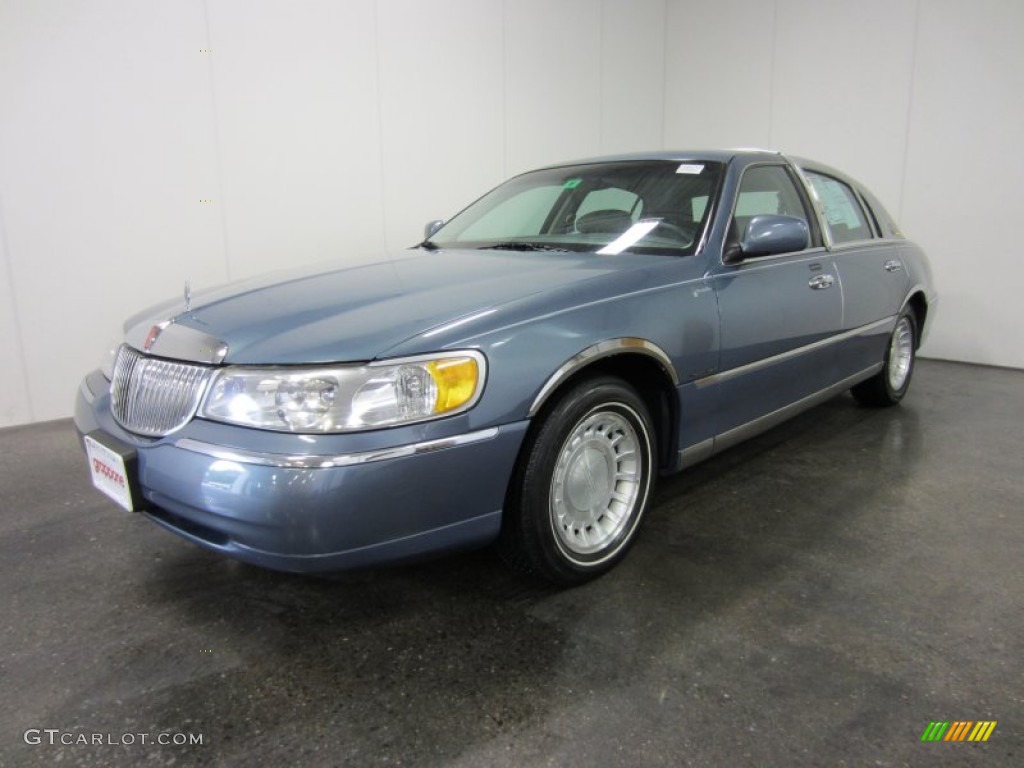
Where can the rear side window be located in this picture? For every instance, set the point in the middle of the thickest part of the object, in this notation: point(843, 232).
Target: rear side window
point(844, 215)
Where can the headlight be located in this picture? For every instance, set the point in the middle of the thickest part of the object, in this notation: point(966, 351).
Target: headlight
point(347, 398)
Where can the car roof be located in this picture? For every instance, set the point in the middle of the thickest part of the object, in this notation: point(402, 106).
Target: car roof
point(710, 155)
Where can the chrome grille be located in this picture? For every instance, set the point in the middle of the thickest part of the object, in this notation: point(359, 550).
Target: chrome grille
point(155, 397)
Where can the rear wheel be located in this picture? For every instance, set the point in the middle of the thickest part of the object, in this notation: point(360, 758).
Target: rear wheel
point(582, 484)
point(889, 385)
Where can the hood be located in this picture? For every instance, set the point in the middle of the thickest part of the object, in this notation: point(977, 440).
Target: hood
point(353, 314)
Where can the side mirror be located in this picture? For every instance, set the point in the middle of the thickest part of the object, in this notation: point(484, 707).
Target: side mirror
point(772, 235)
point(431, 228)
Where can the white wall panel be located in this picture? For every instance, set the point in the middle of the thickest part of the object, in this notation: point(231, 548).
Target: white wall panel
point(322, 129)
point(105, 152)
point(632, 75)
point(964, 171)
point(841, 87)
point(15, 405)
point(295, 86)
point(442, 109)
point(718, 78)
point(552, 82)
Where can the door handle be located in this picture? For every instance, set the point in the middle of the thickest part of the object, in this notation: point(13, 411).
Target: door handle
point(820, 282)
point(892, 266)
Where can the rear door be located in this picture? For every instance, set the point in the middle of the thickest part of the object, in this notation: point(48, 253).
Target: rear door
point(870, 268)
point(776, 312)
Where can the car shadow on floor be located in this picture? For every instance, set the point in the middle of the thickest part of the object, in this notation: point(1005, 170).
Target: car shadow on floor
point(463, 640)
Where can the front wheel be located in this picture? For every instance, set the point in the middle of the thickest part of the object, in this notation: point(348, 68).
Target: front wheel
point(581, 485)
point(889, 385)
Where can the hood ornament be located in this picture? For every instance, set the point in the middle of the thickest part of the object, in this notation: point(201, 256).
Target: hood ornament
point(188, 296)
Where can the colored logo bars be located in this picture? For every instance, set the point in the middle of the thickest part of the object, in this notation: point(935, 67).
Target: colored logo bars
point(959, 730)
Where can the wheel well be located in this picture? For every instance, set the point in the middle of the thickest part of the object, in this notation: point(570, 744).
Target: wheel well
point(919, 304)
point(651, 382)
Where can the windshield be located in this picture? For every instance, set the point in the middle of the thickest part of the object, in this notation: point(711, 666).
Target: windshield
point(609, 208)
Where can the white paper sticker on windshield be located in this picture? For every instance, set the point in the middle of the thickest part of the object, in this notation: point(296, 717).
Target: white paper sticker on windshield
point(691, 169)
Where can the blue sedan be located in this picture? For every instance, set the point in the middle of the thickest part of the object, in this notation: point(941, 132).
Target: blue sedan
point(519, 377)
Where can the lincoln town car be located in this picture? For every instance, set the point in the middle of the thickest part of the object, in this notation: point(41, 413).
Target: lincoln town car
point(521, 377)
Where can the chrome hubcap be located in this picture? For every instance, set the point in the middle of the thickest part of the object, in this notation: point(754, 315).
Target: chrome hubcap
point(596, 483)
point(901, 353)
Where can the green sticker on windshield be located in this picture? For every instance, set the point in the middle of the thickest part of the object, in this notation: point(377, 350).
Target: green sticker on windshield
point(572, 184)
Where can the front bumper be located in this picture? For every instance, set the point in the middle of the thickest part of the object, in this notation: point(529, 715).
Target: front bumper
point(356, 500)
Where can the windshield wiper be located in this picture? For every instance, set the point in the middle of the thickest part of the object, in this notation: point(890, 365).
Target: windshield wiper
point(512, 245)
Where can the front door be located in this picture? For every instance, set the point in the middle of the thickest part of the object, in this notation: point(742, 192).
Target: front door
point(776, 312)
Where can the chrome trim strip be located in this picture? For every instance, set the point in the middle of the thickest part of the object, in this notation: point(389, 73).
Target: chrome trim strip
point(264, 459)
point(739, 434)
point(179, 342)
point(696, 453)
point(931, 305)
point(931, 301)
point(875, 242)
point(811, 253)
point(816, 204)
point(819, 208)
point(596, 352)
point(732, 373)
point(713, 446)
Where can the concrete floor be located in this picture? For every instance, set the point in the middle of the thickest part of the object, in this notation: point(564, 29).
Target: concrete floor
point(814, 597)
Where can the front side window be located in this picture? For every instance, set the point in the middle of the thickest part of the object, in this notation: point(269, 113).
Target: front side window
point(766, 190)
point(769, 189)
point(656, 206)
point(843, 213)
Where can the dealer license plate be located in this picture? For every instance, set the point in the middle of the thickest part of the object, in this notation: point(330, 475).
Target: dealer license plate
point(110, 473)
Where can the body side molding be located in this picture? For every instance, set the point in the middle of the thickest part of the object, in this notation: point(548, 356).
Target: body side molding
point(712, 446)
